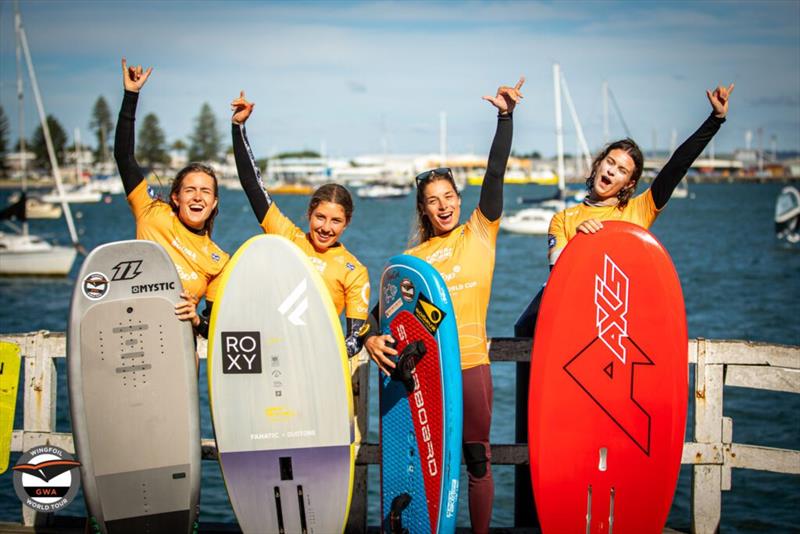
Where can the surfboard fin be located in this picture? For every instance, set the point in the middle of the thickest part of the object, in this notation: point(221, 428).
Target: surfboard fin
point(399, 504)
point(406, 363)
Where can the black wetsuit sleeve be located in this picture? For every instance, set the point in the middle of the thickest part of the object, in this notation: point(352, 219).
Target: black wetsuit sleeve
point(124, 137)
point(491, 200)
point(671, 174)
point(374, 324)
point(202, 328)
point(249, 175)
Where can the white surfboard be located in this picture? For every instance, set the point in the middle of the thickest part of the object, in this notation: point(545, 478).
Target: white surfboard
point(133, 392)
point(280, 392)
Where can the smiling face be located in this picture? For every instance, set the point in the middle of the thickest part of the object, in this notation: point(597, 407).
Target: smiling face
point(441, 204)
point(326, 222)
point(195, 199)
point(614, 173)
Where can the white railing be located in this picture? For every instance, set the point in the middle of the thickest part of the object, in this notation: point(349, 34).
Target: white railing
point(712, 452)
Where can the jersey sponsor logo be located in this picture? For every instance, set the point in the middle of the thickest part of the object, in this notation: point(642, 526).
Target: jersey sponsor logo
point(215, 256)
point(440, 255)
point(295, 304)
point(127, 270)
point(191, 275)
point(151, 193)
point(350, 266)
point(241, 353)
point(95, 286)
point(365, 294)
point(452, 274)
point(183, 249)
point(611, 300)
point(152, 288)
point(318, 263)
point(428, 314)
point(551, 240)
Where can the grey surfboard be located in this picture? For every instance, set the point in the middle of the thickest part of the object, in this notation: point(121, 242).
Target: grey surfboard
point(133, 392)
point(280, 392)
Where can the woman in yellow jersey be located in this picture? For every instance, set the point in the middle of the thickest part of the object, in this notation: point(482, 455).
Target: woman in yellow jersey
point(183, 224)
point(329, 212)
point(611, 184)
point(464, 255)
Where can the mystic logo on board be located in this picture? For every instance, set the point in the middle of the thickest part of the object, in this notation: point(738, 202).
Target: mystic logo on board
point(241, 353)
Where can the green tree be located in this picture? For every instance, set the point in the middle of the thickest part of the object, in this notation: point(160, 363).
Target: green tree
point(3, 140)
point(39, 147)
point(205, 141)
point(298, 154)
point(178, 146)
point(102, 125)
point(150, 145)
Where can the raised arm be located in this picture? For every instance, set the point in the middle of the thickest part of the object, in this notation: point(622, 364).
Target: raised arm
point(133, 79)
point(671, 174)
point(249, 174)
point(491, 199)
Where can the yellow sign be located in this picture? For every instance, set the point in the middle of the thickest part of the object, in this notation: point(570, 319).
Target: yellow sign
point(9, 383)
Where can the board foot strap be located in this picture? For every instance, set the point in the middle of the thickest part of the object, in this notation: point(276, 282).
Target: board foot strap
point(406, 363)
point(399, 504)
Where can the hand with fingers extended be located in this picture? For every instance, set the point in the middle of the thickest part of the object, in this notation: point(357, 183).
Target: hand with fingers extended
point(186, 309)
point(507, 97)
point(590, 226)
point(134, 78)
point(379, 348)
point(719, 98)
point(241, 108)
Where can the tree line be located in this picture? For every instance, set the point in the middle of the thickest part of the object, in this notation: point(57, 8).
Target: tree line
point(152, 149)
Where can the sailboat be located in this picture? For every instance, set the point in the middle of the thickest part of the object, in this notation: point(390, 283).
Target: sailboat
point(536, 220)
point(787, 215)
point(22, 253)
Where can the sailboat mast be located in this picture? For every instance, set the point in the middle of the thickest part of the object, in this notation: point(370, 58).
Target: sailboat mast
point(23, 41)
point(578, 128)
point(559, 129)
point(21, 106)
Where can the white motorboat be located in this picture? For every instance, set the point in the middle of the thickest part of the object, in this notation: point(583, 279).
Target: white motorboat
point(26, 254)
point(81, 194)
point(383, 191)
point(529, 221)
point(682, 190)
point(787, 215)
point(35, 208)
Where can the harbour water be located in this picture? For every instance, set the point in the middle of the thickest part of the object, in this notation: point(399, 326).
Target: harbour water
point(738, 283)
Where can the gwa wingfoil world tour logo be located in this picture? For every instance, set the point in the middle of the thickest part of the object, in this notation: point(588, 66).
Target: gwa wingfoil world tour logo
point(45, 478)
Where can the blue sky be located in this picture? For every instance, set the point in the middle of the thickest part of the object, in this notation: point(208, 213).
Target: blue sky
point(351, 74)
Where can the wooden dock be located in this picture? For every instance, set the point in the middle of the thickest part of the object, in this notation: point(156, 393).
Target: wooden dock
point(712, 451)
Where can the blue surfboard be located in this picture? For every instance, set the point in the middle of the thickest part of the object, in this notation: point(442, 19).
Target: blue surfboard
point(421, 404)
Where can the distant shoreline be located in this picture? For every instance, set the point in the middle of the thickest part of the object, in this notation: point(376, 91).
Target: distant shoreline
point(6, 183)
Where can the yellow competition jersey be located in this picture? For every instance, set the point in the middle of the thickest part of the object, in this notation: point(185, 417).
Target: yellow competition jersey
point(198, 260)
point(465, 259)
point(641, 210)
point(346, 278)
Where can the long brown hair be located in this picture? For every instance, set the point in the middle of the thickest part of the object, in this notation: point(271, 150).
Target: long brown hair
point(334, 193)
point(423, 228)
point(176, 187)
point(633, 150)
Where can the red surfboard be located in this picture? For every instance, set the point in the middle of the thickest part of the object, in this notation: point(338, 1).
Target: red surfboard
point(609, 385)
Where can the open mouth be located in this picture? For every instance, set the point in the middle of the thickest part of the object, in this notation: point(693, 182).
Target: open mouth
point(196, 208)
point(445, 218)
point(605, 180)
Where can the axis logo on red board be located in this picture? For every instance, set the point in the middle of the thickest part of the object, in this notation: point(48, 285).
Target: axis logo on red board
point(611, 299)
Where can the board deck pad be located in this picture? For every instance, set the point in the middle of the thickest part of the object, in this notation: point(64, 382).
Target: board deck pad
point(421, 429)
point(609, 386)
point(133, 391)
point(9, 385)
point(280, 390)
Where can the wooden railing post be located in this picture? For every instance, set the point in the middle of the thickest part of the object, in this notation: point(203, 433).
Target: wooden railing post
point(39, 415)
point(359, 368)
point(707, 479)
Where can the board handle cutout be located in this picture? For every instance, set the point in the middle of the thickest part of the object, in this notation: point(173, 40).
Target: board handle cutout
point(602, 465)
